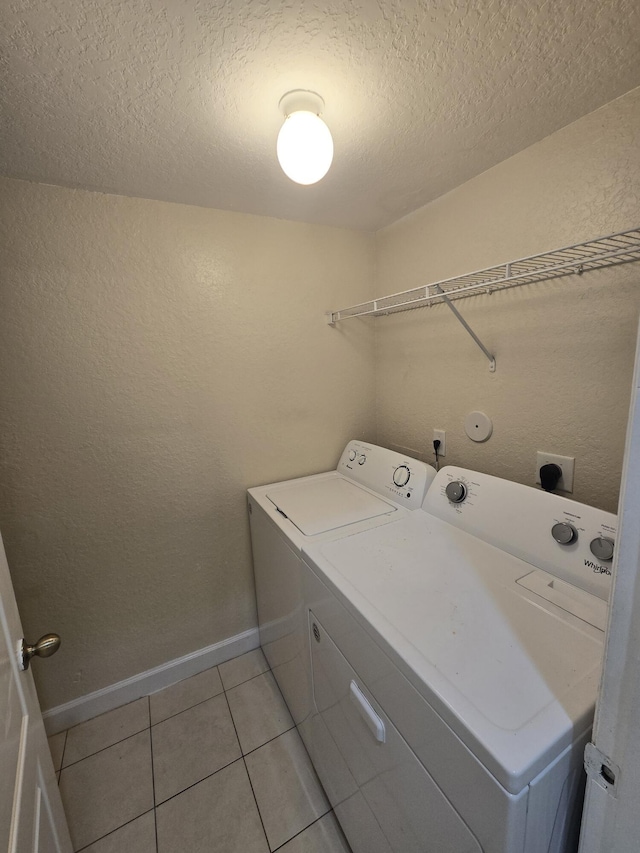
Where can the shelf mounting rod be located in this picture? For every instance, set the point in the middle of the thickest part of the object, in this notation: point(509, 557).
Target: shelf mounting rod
point(460, 318)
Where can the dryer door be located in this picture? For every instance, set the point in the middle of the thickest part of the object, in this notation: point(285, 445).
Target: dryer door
point(384, 798)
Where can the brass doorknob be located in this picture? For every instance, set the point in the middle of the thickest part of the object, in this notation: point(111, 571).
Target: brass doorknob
point(46, 646)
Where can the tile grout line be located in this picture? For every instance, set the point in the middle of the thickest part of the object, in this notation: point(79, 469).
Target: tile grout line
point(153, 776)
point(195, 705)
point(271, 740)
point(255, 678)
point(284, 732)
point(204, 779)
point(250, 752)
point(225, 766)
point(104, 713)
point(255, 800)
point(102, 749)
point(242, 755)
point(313, 822)
point(111, 831)
point(64, 746)
point(64, 749)
point(246, 680)
point(330, 809)
point(115, 829)
point(201, 701)
point(246, 770)
point(221, 696)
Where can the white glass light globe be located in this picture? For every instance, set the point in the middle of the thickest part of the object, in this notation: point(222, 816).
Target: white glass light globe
point(305, 147)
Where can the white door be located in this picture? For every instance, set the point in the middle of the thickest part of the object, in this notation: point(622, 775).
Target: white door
point(31, 816)
point(611, 820)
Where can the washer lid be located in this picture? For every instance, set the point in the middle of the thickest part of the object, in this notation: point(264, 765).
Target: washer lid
point(318, 506)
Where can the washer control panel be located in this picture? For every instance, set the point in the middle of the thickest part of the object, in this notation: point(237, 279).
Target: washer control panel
point(572, 541)
point(390, 474)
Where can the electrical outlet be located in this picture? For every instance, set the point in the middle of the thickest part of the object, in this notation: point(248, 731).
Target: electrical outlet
point(566, 463)
point(442, 436)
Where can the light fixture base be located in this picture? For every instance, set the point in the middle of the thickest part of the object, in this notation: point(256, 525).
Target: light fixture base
point(301, 100)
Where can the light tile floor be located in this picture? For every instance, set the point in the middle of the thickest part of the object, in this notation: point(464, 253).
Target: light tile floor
point(213, 763)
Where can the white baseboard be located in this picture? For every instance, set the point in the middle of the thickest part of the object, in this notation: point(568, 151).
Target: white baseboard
point(85, 707)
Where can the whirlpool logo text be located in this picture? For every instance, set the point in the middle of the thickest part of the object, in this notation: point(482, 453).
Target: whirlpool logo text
point(597, 569)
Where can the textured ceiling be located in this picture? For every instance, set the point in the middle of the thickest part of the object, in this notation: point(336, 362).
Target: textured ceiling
point(178, 100)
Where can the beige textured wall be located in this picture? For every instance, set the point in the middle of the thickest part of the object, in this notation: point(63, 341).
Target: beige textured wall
point(564, 348)
point(157, 359)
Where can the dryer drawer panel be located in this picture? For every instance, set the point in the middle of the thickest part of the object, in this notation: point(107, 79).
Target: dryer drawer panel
point(378, 787)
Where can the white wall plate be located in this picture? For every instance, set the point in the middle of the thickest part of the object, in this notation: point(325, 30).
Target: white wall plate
point(478, 426)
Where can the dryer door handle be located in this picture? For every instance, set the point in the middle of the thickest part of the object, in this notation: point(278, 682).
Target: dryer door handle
point(372, 720)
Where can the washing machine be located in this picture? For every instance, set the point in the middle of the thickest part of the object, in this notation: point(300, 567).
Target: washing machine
point(371, 487)
point(456, 657)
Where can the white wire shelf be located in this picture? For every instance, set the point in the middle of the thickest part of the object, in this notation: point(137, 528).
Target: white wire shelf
point(621, 248)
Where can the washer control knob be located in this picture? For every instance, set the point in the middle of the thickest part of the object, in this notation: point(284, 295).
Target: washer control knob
point(352, 455)
point(602, 548)
point(362, 459)
point(456, 492)
point(401, 475)
point(564, 533)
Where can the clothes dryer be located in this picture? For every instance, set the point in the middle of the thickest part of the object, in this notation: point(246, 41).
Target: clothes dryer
point(456, 657)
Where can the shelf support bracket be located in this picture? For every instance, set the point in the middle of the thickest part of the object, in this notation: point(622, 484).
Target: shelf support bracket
point(460, 318)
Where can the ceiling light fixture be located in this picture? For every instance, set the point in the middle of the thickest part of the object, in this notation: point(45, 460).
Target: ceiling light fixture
point(305, 146)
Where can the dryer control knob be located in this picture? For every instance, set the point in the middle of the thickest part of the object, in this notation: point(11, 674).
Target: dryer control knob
point(602, 548)
point(362, 459)
point(564, 533)
point(456, 492)
point(401, 475)
point(352, 455)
